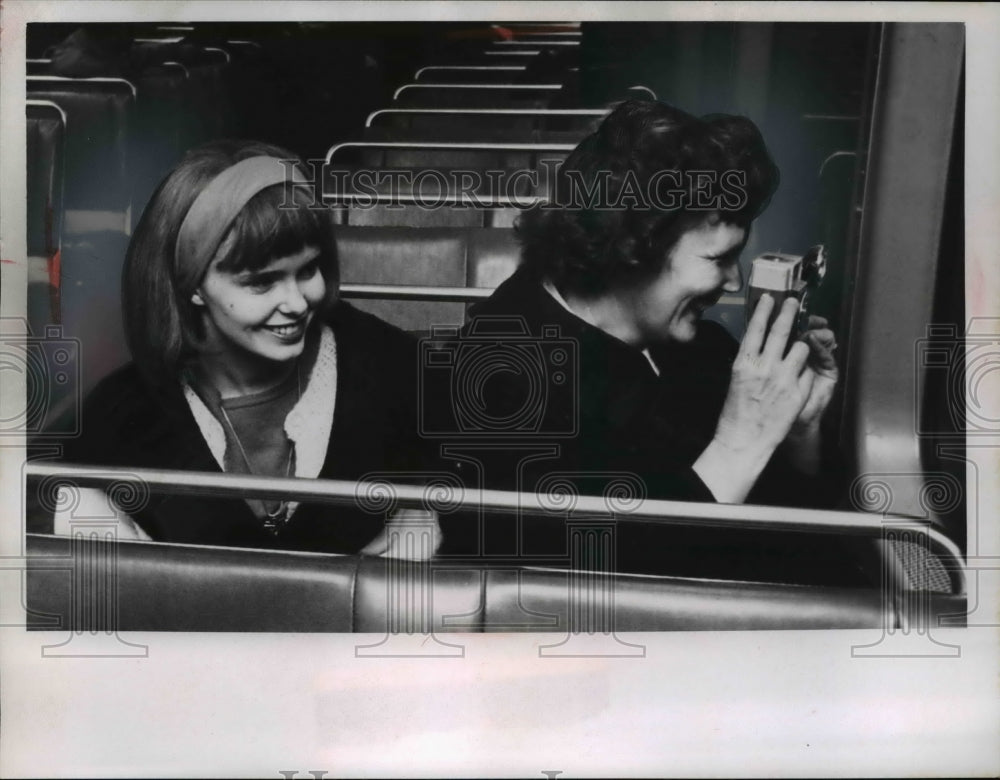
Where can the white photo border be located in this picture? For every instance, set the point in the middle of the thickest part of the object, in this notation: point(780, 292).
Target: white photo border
point(698, 704)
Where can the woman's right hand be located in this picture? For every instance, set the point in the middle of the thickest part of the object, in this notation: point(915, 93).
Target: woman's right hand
point(766, 394)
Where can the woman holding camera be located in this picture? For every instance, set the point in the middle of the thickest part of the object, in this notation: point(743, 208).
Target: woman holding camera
point(621, 264)
point(245, 361)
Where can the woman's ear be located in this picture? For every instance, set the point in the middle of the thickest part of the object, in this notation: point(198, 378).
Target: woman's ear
point(196, 299)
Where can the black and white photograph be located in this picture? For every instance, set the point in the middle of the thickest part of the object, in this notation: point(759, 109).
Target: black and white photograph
point(411, 389)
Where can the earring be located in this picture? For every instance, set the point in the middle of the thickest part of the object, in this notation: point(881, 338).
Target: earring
point(197, 300)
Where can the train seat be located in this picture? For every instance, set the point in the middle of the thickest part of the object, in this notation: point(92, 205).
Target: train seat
point(387, 589)
point(172, 587)
point(439, 257)
point(458, 128)
point(474, 74)
point(542, 600)
point(420, 196)
point(99, 116)
point(46, 137)
point(474, 96)
point(160, 587)
point(162, 130)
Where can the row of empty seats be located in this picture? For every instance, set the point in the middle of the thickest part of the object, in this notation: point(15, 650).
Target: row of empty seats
point(462, 148)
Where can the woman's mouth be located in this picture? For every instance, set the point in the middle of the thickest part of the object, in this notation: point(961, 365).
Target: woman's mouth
point(290, 333)
point(699, 305)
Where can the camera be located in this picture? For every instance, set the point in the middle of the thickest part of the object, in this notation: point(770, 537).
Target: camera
point(497, 380)
point(786, 276)
point(51, 368)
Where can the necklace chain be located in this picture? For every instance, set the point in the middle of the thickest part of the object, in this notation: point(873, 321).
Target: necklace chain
point(274, 519)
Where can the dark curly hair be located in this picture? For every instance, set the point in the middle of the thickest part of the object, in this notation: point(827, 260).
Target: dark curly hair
point(627, 193)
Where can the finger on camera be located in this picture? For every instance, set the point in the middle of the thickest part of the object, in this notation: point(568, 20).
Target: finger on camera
point(781, 329)
point(753, 339)
point(822, 340)
point(797, 357)
point(816, 322)
point(806, 380)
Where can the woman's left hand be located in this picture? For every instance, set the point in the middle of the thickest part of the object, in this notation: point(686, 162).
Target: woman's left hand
point(823, 364)
point(803, 443)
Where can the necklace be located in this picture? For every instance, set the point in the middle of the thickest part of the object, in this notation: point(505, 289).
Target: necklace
point(274, 519)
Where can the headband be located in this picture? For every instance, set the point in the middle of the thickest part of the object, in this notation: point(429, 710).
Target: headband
point(215, 208)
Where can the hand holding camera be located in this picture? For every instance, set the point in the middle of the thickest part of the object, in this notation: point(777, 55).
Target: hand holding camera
point(823, 364)
point(787, 276)
point(769, 387)
point(767, 393)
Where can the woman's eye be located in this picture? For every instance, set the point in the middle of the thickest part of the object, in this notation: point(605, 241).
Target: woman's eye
point(258, 284)
point(309, 270)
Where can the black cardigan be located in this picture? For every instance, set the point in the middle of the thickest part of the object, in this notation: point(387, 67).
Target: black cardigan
point(127, 425)
point(614, 420)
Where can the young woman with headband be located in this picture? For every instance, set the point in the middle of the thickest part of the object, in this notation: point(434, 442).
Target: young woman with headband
point(245, 361)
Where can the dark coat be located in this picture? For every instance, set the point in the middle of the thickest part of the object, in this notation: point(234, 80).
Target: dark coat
point(611, 420)
point(126, 425)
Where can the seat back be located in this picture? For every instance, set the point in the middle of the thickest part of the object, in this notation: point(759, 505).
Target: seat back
point(46, 137)
point(475, 95)
point(162, 131)
point(171, 587)
point(473, 74)
point(552, 600)
point(99, 114)
point(429, 196)
point(396, 596)
point(441, 257)
point(141, 586)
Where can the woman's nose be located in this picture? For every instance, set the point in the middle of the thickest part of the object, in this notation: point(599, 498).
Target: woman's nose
point(733, 278)
point(293, 301)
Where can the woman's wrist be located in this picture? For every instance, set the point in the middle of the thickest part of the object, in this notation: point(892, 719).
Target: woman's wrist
point(728, 472)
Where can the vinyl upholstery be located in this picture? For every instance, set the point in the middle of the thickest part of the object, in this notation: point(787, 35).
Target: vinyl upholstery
point(446, 257)
point(187, 588)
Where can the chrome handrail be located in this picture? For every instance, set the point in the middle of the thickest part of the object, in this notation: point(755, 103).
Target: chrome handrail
point(651, 511)
point(426, 85)
point(461, 145)
point(91, 80)
point(543, 112)
point(564, 34)
point(470, 67)
point(413, 292)
point(403, 198)
point(172, 39)
point(47, 104)
point(536, 43)
point(223, 52)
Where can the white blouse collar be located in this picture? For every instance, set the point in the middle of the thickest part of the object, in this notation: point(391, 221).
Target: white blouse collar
point(308, 425)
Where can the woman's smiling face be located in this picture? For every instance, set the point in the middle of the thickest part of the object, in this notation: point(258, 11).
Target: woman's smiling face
point(702, 265)
point(259, 316)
